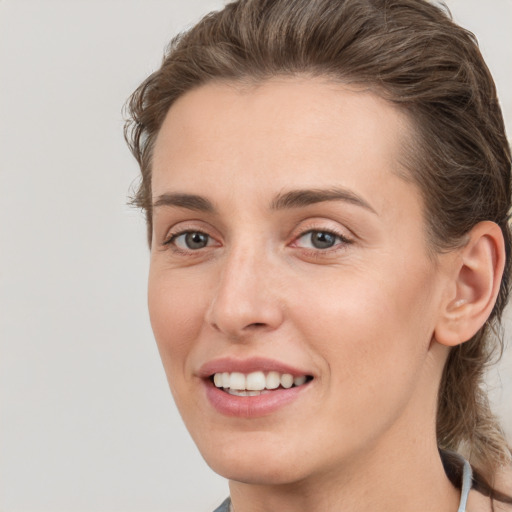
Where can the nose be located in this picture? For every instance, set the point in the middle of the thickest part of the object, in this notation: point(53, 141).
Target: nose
point(245, 300)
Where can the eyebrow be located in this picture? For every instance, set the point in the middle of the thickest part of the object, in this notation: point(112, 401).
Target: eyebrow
point(285, 200)
point(188, 201)
point(306, 197)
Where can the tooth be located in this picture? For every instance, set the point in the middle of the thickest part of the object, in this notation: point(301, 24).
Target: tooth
point(273, 380)
point(237, 392)
point(298, 381)
point(286, 380)
point(243, 392)
point(237, 380)
point(256, 381)
point(217, 380)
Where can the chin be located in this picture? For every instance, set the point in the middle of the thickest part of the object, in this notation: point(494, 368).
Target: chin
point(249, 472)
point(256, 463)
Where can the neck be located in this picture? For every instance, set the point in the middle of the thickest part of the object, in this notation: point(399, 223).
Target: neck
point(389, 480)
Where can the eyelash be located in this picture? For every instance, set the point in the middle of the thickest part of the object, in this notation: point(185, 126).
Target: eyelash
point(341, 241)
point(170, 241)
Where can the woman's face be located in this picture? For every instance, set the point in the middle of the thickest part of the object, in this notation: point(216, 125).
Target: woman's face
point(287, 248)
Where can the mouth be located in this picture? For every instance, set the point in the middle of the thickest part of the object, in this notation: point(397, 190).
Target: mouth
point(254, 387)
point(257, 383)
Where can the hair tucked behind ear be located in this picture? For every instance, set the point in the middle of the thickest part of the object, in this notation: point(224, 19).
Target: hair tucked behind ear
point(412, 54)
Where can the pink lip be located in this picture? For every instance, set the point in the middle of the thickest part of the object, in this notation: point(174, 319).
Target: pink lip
point(249, 406)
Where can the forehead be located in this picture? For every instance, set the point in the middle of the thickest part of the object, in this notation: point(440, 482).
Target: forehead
point(276, 134)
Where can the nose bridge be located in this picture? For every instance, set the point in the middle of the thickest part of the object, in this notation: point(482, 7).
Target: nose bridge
point(244, 298)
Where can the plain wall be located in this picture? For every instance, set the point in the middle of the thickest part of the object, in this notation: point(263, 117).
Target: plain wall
point(86, 419)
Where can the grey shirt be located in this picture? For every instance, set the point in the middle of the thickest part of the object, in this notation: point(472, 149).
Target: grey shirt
point(224, 507)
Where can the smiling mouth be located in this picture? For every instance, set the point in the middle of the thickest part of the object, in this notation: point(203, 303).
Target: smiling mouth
point(256, 383)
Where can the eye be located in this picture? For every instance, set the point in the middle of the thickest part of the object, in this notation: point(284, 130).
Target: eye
point(316, 239)
point(191, 240)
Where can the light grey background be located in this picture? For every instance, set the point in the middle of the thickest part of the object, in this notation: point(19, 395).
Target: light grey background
point(86, 419)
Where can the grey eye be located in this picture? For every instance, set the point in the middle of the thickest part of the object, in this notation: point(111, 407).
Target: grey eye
point(192, 240)
point(319, 240)
point(322, 239)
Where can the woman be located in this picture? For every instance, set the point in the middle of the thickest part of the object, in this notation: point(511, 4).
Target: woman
point(327, 191)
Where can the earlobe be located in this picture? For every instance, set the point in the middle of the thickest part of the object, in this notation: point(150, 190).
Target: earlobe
point(476, 283)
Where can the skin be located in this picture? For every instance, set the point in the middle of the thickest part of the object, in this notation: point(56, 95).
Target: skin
point(361, 316)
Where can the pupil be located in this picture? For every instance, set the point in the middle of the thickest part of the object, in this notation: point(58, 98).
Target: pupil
point(322, 240)
point(196, 240)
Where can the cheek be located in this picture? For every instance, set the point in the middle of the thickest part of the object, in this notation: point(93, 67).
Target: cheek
point(176, 310)
point(370, 326)
point(373, 351)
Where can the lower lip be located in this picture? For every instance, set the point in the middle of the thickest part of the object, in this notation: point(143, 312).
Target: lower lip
point(251, 406)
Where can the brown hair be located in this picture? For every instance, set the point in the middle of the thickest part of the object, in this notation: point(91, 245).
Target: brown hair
point(412, 54)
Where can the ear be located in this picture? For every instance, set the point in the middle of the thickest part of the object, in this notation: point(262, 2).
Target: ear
point(474, 285)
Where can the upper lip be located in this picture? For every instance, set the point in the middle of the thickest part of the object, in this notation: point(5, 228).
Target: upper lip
point(253, 364)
